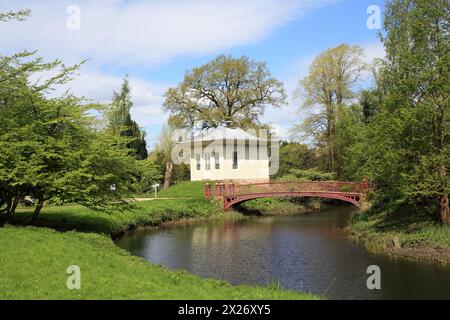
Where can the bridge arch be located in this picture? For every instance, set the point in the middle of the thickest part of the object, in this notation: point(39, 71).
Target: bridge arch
point(352, 198)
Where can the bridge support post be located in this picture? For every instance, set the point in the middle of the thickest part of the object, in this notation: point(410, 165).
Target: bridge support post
point(216, 189)
point(207, 190)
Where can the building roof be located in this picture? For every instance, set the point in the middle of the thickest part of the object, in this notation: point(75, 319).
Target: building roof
point(223, 133)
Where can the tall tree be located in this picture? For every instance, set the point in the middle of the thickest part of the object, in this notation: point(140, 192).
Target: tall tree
point(51, 150)
point(121, 123)
point(417, 74)
point(163, 152)
point(329, 84)
point(227, 91)
point(294, 155)
point(49, 147)
point(350, 140)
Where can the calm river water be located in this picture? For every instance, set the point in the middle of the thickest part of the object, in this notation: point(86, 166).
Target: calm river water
point(307, 252)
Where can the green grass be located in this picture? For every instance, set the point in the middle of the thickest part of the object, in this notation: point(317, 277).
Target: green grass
point(34, 260)
point(181, 189)
point(34, 263)
point(277, 206)
point(147, 213)
point(405, 227)
point(184, 189)
point(268, 206)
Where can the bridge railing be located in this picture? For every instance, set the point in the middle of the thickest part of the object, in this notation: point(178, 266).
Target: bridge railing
point(221, 189)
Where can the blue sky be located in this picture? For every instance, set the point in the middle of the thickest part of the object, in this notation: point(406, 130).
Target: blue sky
point(155, 42)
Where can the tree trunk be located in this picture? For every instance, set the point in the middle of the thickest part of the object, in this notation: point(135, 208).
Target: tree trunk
point(8, 206)
point(444, 214)
point(14, 206)
point(9, 211)
point(168, 175)
point(442, 104)
point(37, 210)
point(4, 216)
point(331, 138)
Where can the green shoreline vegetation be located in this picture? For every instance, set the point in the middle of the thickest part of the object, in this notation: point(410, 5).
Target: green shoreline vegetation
point(400, 233)
point(113, 222)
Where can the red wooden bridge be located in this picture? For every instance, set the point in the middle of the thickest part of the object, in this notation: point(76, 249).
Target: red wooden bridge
point(232, 194)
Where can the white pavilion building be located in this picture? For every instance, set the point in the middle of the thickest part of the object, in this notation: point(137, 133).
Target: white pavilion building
point(225, 154)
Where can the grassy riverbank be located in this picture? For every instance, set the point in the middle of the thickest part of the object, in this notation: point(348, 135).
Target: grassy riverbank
point(116, 221)
point(402, 233)
point(34, 259)
point(278, 206)
point(34, 263)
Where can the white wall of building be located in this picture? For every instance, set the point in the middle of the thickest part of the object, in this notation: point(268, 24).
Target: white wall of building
point(250, 167)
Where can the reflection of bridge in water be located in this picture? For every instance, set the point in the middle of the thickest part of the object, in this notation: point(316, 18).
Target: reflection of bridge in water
point(232, 194)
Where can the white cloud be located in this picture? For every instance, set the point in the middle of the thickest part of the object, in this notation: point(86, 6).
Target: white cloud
point(138, 33)
point(147, 32)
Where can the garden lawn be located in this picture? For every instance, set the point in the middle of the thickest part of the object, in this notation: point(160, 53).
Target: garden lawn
point(34, 263)
point(184, 189)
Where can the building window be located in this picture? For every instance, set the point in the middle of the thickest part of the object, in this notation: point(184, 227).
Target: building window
point(247, 149)
point(197, 160)
point(235, 160)
point(207, 161)
point(217, 160)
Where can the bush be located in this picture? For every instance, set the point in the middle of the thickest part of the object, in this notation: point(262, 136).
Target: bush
point(308, 175)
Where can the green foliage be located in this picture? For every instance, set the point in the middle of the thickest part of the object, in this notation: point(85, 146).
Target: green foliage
point(40, 138)
point(52, 147)
point(350, 144)
point(149, 173)
point(114, 220)
point(225, 91)
point(181, 172)
point(308, 175)
point(271, 206)
point(369, 103)
point(294, 156)
point(104, 178)
point(409, 228)
point(162, 153)
point(398, 134)
point(120, 122)
point(330, 84)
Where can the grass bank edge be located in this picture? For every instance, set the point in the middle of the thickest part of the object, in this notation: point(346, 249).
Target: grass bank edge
point(34, 262)
point(399, 232)
point(115, 222)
